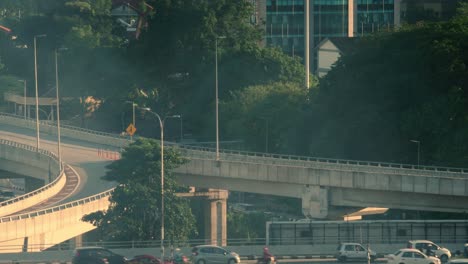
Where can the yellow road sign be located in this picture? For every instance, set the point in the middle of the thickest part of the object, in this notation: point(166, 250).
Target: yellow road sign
point(131, 129)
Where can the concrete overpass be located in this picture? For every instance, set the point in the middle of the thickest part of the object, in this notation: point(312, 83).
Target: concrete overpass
point(320, 183)
point(325, 183)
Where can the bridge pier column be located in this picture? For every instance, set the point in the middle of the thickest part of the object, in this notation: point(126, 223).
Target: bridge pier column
point(76, 241)
point(31, 184)
point(215, 208)
point(314, 201)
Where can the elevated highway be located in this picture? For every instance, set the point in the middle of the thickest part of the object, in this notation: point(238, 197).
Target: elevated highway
point(320, 183)
point(327, 183)
point(51, 214)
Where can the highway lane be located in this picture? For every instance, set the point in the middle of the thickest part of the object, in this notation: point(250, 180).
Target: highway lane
point(68, 189)
point(81, 156)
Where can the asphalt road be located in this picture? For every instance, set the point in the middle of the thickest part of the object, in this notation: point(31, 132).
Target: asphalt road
point(81, 156)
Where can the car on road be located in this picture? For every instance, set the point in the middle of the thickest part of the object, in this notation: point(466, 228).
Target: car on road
point(459, 261)
point(143, 259)
point(411, 256)
point(353, 251)
point(96, 255)
point(209, 254)
point(427, 247)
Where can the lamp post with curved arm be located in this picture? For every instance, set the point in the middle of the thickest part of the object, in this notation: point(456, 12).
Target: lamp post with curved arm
point(217, 98)
point(161, 126)
point(419, 145)
point(24, 98)
point(58, 104)
point(37, 94)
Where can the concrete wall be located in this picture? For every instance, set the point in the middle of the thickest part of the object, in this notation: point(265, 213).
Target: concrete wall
point(348, 184)
point(28, 162)
point(50, 226)
point(25, 160)
point(75, 132)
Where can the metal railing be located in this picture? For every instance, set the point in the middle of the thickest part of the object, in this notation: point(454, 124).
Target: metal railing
point(54, 124)
point(328, 160)
point(239, 242)
point(57, 208)
point(133, 244)
point(367, 231)
point(278, 157)
point(44, 152)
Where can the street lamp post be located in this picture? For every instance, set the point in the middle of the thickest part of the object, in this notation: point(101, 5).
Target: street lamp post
point(217, 98)
point(306, 43)
point(37, 94)
point(24, 88)
point(419, 144)
point(266, 135)
point(181, 130)
point(161, 126)
point(58, 105)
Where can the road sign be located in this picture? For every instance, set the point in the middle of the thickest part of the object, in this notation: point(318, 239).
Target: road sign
point(131, 129)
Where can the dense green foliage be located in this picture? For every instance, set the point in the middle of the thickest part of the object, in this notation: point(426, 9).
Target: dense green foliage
point(267, 117)
point(243, 225)
point(135, 212)
point(409, 85)
point(170, 68)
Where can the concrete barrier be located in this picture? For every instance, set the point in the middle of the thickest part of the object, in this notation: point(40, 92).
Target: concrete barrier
point(87, 135)
point(25, 160)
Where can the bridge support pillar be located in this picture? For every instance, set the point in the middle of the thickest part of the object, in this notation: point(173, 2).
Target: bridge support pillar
point(76, 241)
point(215, 209)
point(31, 184)
point(314, 201)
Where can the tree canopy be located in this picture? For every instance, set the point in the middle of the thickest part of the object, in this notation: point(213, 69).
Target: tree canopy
point(135, 210)
point(407, 85)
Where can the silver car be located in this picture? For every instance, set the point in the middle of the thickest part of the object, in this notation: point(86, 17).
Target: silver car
point(208, 254)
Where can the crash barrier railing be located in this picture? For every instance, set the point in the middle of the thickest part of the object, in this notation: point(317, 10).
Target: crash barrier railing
point(57, 208)
point(47, 153)
point(50, 127)
point(54, 124)
point(369, 231)
point(239, 242)
point(269, 158)
point(297, 160)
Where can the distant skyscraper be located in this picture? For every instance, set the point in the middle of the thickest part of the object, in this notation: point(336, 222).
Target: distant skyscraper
point(413, 11)
point(328, 18)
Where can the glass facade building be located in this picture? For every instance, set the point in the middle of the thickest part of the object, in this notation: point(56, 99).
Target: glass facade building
point(284, 24)
point(374, 16)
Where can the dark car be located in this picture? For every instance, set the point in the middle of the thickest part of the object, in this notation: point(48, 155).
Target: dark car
point(96, 255)
point(143, 259)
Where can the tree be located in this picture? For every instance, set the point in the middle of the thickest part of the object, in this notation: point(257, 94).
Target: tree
point(411, 84)
point(264, 113)
point(134, 213)
point(243, 225)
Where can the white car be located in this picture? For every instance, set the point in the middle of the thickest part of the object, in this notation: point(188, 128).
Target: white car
point(459, 261)
point(354, 251)
point(411, 256)
point(425, 245)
